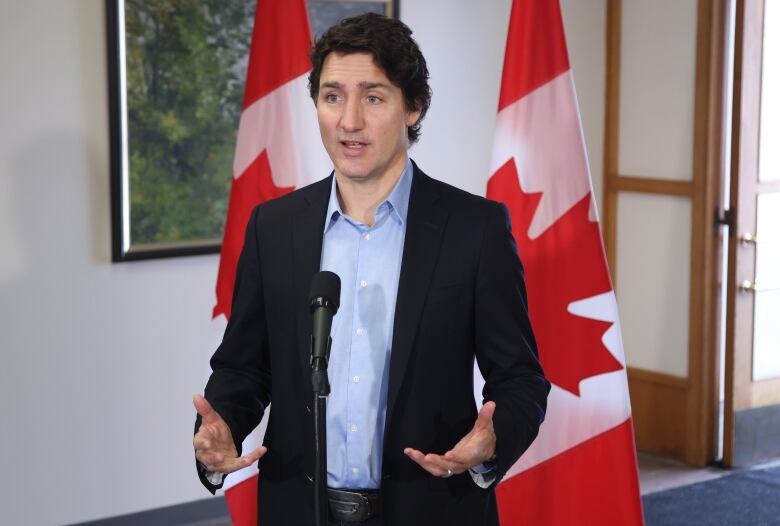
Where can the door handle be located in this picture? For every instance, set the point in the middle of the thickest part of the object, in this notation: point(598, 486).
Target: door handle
point(748, 239)
point(752, 286)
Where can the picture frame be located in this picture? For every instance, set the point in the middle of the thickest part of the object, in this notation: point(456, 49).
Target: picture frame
point(325, 13)
point(176, 76)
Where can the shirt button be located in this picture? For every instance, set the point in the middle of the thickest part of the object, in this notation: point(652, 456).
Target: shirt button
point(356, 379)
point(353, 428)
point(364, 284)
point(359, 332)
point(355, 471)
point(368, 237)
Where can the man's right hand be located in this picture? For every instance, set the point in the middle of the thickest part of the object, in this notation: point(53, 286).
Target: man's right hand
point(214, 447)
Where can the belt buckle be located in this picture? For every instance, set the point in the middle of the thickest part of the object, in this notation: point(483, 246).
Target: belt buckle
point(354, 508)
point(366, 507)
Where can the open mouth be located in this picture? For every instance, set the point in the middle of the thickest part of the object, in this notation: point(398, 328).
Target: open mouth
point(353, 146)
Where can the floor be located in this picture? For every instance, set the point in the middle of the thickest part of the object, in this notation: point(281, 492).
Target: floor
point(660, 473)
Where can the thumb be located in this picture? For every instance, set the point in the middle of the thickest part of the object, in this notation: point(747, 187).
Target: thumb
point(485, 417)
point(204, 409)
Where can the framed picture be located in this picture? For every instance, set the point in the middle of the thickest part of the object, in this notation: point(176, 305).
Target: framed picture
point(325, 13)
point(176, 79)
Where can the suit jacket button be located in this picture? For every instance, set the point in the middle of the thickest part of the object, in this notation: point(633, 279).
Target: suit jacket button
point(309, 478)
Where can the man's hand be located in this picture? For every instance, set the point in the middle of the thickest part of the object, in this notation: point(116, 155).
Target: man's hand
point(473, 449)
point(214, 447)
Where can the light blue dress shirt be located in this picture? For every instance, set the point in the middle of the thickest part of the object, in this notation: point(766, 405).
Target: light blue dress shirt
point(368, 261)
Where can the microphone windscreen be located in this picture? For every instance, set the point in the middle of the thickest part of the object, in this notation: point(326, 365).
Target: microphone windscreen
point(326, 284)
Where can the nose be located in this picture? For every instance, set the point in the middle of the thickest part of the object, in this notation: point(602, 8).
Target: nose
point(352, 115)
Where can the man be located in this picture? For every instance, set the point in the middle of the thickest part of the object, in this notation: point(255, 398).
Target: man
point(430, 280)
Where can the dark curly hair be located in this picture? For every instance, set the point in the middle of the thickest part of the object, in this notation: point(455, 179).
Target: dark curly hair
point(395, 51)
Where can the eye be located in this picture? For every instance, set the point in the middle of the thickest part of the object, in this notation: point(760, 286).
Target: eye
point(373, 99)
point(330, 97)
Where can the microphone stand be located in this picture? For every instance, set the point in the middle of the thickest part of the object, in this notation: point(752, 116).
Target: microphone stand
point(323, 303)
point(321, 389)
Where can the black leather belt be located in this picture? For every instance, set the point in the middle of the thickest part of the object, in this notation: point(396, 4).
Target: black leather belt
point(354, 505)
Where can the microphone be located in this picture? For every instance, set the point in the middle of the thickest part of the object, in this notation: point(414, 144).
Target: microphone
point(324, 297)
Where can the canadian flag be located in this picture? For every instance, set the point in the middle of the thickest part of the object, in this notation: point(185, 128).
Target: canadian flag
point(278, 149)
point(582, 467)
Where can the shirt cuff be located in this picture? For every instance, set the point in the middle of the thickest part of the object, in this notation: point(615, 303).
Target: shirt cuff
point(215, 478)
point(485, 467)
point(483, 480)
point(484, 474)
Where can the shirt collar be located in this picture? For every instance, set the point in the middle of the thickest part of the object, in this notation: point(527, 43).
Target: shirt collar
point(397, 200)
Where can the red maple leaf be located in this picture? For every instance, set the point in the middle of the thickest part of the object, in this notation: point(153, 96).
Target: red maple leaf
point(563, 265)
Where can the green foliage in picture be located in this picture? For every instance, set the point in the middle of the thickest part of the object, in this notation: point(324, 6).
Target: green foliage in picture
point(186, 65)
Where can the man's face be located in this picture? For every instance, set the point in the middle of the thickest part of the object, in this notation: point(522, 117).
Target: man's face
point(362, 118)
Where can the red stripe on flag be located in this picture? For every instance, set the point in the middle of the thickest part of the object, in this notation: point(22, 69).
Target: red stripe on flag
point(281, 41)
point(242, 502)
point(255, 186)
point(535, 49)
point(592, 483)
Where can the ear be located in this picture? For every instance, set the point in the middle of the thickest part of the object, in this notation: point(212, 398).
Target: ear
point(412, 117)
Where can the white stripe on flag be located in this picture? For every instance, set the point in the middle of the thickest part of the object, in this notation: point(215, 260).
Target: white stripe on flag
point(542, 133)
point(284, 123)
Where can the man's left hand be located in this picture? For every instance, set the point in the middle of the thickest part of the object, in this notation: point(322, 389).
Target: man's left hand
point(478, 446)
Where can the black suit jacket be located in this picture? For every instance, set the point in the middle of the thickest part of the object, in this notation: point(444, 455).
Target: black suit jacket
point(461, 295)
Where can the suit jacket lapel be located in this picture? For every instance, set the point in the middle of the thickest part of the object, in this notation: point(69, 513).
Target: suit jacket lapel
point(425, 225)
point(308, 226)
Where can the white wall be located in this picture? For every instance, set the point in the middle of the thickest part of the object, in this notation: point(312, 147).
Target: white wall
point(98, 361)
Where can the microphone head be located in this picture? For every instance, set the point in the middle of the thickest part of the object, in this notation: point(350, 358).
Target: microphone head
point(325, 290)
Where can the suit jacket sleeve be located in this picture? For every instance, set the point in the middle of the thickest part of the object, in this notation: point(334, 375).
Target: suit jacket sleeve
point(505, 346)
point(239, 387)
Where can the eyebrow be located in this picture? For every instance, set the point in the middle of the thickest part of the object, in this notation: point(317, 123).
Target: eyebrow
point(364, 85)
point(373, 85)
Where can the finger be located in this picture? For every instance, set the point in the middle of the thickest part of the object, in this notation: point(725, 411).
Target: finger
point(221, 463)
point(467, 457)
point(217, 461)
point(201, 443)
point(445, 465)
point(485, 417)
point(210, 459)
point(235, 464)
point(434, 464)
point(255, 455)
point(205, 410)
point(419, 458)
point(213, 438)
point(460, 456)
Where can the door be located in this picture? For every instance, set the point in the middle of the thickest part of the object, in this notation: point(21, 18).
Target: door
point(752, 362)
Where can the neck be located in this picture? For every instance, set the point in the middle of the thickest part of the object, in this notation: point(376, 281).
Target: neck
point(359, 199)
